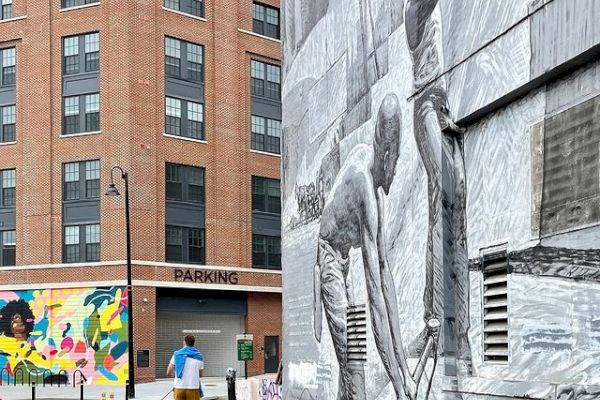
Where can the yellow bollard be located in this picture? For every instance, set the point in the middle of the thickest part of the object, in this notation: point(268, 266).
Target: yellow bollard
point(103, 396)
point(112, 396)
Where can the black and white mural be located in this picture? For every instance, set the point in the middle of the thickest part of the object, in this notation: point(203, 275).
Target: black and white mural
point(441, 202)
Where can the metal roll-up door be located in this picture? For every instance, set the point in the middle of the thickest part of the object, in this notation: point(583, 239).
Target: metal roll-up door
point(215, 337)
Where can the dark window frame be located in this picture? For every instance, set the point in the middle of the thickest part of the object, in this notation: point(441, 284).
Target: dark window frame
point(6, 10)
point(8, 131)
point(84, 122)
point(9, 70)
point(77, 3)
point(194, 8)
point(184, 67)
point(185, 235)
point(266, 258)
point(185, 174)
point(262, 26)
point(87, 62)
point(263, 141)
point(8, 251)
point(8, 194)
point(83, 186)
point(183, 125)
point(83, 248)
point(262, 86)
point(266, 204)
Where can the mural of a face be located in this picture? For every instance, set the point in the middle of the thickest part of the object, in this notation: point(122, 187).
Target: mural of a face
point(387, 142)
point(16, 320)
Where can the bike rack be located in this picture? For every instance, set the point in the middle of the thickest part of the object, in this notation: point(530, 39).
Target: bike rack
point(16, 374)
point(44, 377)
point(78, 378)
point(2, 375)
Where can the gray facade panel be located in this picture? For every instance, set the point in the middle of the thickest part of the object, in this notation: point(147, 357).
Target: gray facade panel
point(266, 224)
point(266, 108)
point(81, 212)
point(7, 218)
point(8, 95)
point(81, 84)
point(562, 30)
point(571, 184)
point(184, 214)
point(531, 147)
point(185, 90)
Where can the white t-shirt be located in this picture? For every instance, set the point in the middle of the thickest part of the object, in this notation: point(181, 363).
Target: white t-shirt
point(190, 379)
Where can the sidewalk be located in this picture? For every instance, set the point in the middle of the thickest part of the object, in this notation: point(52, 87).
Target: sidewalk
point(215, 389)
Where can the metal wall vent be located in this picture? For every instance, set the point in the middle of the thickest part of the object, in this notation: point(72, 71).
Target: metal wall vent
point(495, 308)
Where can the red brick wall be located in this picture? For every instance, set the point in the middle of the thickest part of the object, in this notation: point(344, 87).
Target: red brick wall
point(264, 319)
point(132, 123)
point(144, 330)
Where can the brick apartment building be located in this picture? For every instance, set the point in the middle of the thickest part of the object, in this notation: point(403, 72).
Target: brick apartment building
point(185, 96)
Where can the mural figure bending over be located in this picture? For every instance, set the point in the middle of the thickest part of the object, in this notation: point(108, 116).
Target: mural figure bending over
point(353, 217)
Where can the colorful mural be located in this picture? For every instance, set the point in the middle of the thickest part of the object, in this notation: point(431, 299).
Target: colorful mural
point(54, 332)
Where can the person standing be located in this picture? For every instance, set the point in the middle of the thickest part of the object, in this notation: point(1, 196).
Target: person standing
point(187, 365)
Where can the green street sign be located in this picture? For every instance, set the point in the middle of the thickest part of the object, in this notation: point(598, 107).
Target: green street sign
point(245, 347)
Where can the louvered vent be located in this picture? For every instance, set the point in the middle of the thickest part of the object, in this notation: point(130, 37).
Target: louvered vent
point(495, 309)
point(357, 334)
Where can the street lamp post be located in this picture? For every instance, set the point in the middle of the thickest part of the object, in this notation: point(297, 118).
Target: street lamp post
point(112, 191)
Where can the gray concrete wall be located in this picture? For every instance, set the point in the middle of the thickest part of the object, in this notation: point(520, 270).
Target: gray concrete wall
point(520, 76)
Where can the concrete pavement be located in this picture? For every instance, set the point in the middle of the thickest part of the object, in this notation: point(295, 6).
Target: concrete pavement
point(215, 389)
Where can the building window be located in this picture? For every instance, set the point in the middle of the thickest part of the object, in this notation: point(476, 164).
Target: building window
point(266, 80)
point(266, 252)
point(8, 124)
point(77, 186)
point(266, 134)
point(258, 78)
point(76, 122)
point(191, 251)
point(495, 308)
point(265, 20)
point(174, 243)
point(184, 118)
point(196, 245)
point(71, 119)
point(7, 9)
point(8, 246)
point(92, 52)
point(195, 126)
point(9, 69)
point(92, 179)
point(173, 116)
point(8, 194)
point(172, 57)
point(184, 183)
point(92, 112)
point(75, 3)
point(266, 195)
point(92, 242)
point(184, 60)
point(195, 60)
point(72, 253)
point(73, 57)
point(193, 7)
point(81, 243)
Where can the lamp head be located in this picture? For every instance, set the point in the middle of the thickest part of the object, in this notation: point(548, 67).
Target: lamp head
point(112, 190)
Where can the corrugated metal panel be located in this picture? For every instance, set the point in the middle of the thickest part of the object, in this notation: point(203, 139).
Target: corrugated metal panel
point(215, 338)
